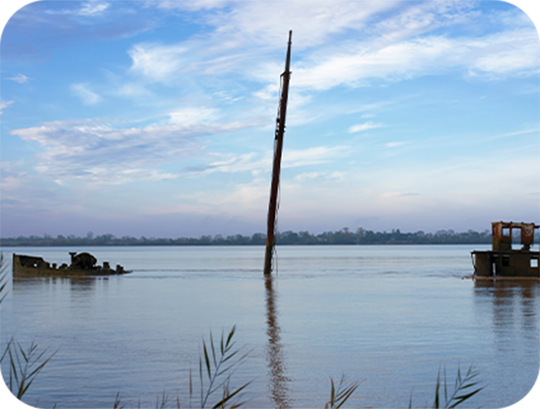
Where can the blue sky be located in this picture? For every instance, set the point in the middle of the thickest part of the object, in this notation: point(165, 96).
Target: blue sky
point(157, 118)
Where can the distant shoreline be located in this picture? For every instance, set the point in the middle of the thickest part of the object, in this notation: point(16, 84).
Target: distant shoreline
point(341, 237)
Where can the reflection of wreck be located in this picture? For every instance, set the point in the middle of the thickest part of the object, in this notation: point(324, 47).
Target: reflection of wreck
point(83, 264)
point(503, 261)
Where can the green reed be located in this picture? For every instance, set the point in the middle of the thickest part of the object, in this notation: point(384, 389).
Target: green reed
point(341, 395)
point(216, 366)
point(464, 388)
point(24, 365)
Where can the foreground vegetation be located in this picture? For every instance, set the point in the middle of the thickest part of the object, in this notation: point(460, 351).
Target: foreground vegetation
point(343, 236)
point(217, 363)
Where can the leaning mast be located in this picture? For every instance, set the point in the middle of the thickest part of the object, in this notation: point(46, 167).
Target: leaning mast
point(278, 148)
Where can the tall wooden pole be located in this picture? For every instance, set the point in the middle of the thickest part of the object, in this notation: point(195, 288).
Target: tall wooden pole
point(278, 148)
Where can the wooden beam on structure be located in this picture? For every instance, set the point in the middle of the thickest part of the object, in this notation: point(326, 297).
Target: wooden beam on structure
point(276, 169)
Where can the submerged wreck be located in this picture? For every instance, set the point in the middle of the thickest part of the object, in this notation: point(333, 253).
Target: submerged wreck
point(276, 168)
point(503, 262)
point(82, 264)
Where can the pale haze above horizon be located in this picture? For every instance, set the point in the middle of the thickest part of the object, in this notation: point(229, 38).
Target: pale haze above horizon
point(156, 118)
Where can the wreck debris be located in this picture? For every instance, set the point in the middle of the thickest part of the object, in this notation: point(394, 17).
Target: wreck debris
point(278, 148)
point(503, 261)
point(82, 264)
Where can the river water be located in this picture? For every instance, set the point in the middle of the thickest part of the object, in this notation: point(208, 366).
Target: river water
point(385, 316)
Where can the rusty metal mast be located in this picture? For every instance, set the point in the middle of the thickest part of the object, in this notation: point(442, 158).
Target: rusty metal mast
point(278, 148)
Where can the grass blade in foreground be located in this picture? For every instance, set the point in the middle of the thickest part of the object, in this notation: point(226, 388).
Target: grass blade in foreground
point(464, 389)
point(343, 393)
point(24, 366)
point(219, 366)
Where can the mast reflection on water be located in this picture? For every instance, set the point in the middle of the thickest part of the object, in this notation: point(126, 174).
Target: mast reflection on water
point(278, 381)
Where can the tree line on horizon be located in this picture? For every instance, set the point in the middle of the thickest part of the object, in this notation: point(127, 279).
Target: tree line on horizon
point(340, 237)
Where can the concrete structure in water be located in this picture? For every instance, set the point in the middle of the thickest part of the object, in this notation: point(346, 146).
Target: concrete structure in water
point(503, 261)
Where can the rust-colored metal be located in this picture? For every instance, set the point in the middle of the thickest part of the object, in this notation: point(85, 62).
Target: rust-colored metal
point(278, 148)
point(501, 235)
point(502, 262)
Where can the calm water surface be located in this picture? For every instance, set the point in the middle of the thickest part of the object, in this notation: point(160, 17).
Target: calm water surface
point(388, 316)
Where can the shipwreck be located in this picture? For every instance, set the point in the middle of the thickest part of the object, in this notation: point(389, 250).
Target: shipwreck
point(504, 262)
point(82, 264)
point(276, 167)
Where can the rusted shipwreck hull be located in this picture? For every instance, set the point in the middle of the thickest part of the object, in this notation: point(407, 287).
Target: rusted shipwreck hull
point(502, 262)
point(82, 265)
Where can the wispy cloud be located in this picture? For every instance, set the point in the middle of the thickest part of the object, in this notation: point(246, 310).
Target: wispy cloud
point(516, 133)
point(85, 94)
point(4, 105)
point(314, 156)
point(257, 162)
point(513, 53)
point(394, 48)
point(364, 127)
point(190, 4)
point(131, 89)
point(417, 18)
point(156, 62)
point(392, 62)
point(304, 176)
point(95, 151)
point(395, 144)
point(87, 9)
point(253, 162)
point(20, 78)
point(264, 22)
point(510, 53)
point(219, 75)
point(308, 175)
point(192, 115)
point(92, 8)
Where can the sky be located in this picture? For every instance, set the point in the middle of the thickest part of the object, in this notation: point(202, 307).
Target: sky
point(157, 118)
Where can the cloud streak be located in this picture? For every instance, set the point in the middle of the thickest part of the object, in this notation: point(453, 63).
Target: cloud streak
point(85, 94)
point(194, 101)
point(264, 22)
point(513, 53)
point(94, 151)
point(4, 105)
point(20, 78)
point(257, 162)
point(156, 62)
point(397, 47)
point(364, 127)
point(88, 9)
